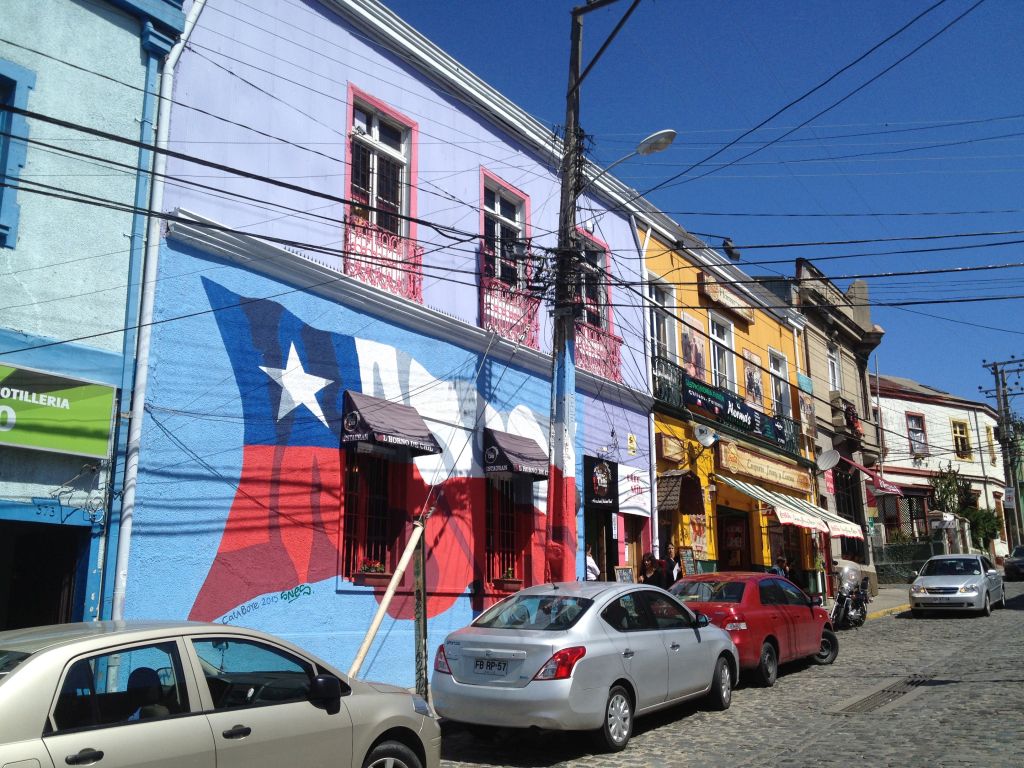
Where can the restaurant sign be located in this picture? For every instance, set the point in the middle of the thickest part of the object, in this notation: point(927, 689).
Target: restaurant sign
point(43, 412)
point(732, 411)
point(740, 461)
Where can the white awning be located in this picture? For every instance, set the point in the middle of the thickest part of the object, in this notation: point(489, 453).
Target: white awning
point(793, 511)
point(786, 508)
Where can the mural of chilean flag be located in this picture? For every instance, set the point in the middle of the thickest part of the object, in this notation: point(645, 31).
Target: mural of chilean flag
point(284, 527)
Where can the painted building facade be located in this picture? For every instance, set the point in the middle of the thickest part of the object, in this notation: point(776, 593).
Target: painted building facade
point(735, 486)
point(925, 430)
point(351, 336)
point(70, 248)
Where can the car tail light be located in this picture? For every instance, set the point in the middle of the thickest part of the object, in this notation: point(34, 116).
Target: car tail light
point(441, 661)
point(734, 623)
point(560, 666)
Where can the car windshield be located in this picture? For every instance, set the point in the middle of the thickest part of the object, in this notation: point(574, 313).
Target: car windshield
point(709, 591)
point(952, 566)
point(538, 612)
point(10, 659)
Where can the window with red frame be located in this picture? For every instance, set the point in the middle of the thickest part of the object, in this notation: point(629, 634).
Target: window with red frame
point(593, 287)
point(917, 435)
point(500, 531)
point(380, 159)
point(504, 244)
point(371, 528)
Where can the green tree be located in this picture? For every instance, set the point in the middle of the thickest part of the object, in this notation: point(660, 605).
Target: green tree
point(952, 493)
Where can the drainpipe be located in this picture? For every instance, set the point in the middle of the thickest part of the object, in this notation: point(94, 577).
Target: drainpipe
point(156, 45)
point(148, 288)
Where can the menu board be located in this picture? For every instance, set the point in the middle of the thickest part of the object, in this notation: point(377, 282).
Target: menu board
point(689, 567)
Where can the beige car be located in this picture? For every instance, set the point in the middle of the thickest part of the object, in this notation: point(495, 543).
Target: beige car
point(179, 695)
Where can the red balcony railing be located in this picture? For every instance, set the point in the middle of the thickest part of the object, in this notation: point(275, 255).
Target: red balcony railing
point(598, 351)
point(383, 259)
point(509, 312)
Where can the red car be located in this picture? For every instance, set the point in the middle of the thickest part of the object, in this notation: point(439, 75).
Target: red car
point(770, 619)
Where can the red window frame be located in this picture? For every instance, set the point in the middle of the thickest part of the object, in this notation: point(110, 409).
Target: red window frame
point(371, 529)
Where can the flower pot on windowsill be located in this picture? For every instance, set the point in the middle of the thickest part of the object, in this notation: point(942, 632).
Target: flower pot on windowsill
point(371, 579)
point(508, 585)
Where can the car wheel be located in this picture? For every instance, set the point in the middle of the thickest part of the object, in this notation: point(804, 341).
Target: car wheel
point(391, 754)
point(618, 721)
point(829, 649)
point(1002, 597)
point(987, 610)
point(768, 667)
point(720, 695)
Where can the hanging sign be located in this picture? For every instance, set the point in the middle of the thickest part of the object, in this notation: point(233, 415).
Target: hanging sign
point(731, 410)
point(600, 484)
point(43, 412)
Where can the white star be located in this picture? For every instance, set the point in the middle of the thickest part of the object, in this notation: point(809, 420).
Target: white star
point(297, 386)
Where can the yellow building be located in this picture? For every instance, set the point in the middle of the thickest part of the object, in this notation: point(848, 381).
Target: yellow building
point(735, 476)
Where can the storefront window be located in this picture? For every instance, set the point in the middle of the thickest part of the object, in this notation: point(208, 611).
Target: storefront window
point(370, 529)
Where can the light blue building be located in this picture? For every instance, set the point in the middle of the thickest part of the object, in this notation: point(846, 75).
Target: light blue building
point(78, 94)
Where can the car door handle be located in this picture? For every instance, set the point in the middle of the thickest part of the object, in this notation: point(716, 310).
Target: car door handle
point(628, 654)
point(86, 756)
point(237, 732)
point(674, 646)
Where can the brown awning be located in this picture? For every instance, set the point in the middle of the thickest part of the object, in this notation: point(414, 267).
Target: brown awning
point(670, 485)
point(373, 420)
point(505, 452)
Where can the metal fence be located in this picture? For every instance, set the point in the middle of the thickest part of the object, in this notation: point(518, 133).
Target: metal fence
point(897, 563)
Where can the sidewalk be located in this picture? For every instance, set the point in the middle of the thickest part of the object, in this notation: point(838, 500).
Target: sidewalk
point(891, 598)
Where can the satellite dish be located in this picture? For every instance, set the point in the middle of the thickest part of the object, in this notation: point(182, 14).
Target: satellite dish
point(827, 460)
point(705, 436)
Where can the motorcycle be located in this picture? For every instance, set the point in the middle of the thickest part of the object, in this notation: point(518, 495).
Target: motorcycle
point(850, 609)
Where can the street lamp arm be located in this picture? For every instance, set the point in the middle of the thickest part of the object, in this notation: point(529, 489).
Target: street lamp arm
point(656, 142)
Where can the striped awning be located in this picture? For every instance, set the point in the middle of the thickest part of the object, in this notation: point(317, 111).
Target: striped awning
point(793, 511)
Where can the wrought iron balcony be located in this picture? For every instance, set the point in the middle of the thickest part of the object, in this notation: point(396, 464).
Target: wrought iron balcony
point(673, 386)
point(598, 351)
point(509, 312)
point(383, 259)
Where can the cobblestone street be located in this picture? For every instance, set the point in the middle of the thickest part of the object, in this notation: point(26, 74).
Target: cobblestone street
point(964, 708)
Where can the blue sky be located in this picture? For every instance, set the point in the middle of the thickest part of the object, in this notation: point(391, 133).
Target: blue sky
point(933, 147)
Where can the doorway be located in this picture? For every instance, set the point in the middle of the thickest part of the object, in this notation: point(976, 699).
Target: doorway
point(599, 534)
point(733, 529)
point(38, 573)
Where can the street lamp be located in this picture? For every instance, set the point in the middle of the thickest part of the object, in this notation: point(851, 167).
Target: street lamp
point(656, 142)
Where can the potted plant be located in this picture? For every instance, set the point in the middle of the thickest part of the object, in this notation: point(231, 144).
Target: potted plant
point(508, 581)
point(371, 574)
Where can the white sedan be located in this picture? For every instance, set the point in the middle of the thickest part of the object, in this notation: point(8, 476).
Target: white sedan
point(182, 695)
point(582, 656)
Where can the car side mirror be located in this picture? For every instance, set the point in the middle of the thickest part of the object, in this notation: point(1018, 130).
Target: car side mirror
point(326, 691)
point(702, 620)
point(816, 601)
point(991, 572)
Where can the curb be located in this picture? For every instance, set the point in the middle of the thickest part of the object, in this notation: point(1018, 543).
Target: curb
point(889, 611)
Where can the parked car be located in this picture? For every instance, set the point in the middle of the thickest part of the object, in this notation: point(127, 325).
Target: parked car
point(956, 583)
point(581, 656)
point(1013, 565)
point(770, 619)
point(196, 696)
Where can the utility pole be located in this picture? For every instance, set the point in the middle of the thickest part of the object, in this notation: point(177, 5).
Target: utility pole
point(560, 558)
point(1008, 441)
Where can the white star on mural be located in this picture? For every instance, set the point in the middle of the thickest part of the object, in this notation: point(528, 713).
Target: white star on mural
point(297, 386)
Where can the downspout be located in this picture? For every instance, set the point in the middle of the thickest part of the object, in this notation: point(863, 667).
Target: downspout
point(156, 45)
point(148, 288)
point(652, 461)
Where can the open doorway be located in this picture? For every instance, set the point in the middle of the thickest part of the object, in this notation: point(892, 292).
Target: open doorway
point(38, 570)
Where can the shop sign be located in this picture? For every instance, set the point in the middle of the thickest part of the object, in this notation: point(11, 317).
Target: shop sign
point(43, 412)
point(731, 410)
point(671, 448)
point(600, 484)
point(634, 491)
point(722, 296)
point(740, 461)
point(830, 482)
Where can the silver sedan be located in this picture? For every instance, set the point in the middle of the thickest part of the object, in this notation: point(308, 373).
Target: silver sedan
point(957, 582)
point(174, 695)
point(582, 656)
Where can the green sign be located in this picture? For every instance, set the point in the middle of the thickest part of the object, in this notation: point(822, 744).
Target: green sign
point(50, 413)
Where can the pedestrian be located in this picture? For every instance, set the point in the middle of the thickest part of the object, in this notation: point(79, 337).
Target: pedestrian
point(780, 568)
point(674, 563)
point(652, 571)
point(593, 572)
